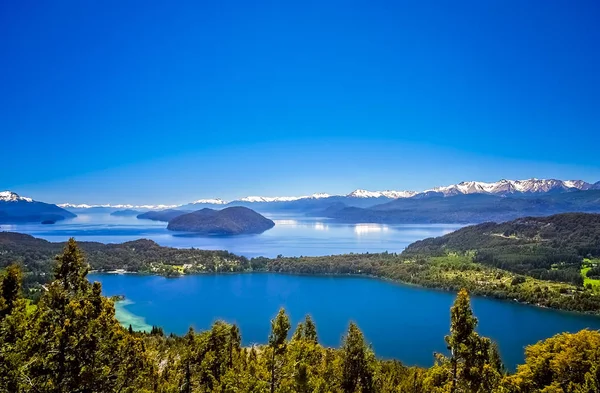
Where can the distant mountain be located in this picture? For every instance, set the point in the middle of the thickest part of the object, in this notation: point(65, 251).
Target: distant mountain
point(235, 220)
point(110, 208)
point(162, 215)
point(316, 203)
point(507, 187)
point(17, 209)
point(126, 213)
point(469, 208)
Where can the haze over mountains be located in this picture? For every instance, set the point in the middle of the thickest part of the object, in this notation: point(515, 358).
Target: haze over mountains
point(465, 202)
point(503, 187)
point(18, 209)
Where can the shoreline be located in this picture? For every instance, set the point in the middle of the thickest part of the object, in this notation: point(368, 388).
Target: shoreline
point(354, 275)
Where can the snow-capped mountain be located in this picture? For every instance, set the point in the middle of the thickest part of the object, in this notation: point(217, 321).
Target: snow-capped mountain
point(362, 197)
point(504, 187)
point(381, 194)
point(17, 209)
point(282, 199)
point(216, 201)
point(119, 206)
point(9, 196)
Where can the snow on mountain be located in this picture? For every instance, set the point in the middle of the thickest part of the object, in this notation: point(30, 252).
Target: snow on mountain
point(319, 195)
point(9, 196)
point(379, 194)
point(217, 201)
point(269, 199)
point(120, 206)
point(503, 187)
point(283, 199)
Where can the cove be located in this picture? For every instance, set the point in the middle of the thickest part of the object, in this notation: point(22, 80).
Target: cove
point(401, 322)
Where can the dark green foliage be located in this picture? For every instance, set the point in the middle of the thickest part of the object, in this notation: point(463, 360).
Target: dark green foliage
point(10, 289)
point(594, 272)
point(549, 248)
point(357, 363)
point(72, 342)
point(449, 273)
point(235, 220)
point(145, 256)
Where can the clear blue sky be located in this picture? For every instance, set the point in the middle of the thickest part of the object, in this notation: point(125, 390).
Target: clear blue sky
point(166, 102)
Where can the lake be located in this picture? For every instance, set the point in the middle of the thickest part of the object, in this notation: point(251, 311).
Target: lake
point(291, 236)
point(402, 322)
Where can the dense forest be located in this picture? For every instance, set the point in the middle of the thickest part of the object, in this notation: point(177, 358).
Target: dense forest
point(71, 342)
point(532, 260)
point(548, 248)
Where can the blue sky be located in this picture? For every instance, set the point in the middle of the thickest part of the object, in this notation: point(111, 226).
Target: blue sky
point(166, 102)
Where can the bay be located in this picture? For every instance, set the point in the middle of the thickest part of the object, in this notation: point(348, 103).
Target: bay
point(402, 322)
point(291, 236)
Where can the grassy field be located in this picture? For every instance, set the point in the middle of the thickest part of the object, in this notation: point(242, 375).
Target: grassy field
point(586, 266)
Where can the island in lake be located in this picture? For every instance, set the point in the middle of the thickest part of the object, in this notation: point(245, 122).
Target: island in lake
point(236, 220)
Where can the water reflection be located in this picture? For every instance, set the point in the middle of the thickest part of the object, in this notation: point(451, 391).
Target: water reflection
point(291, 236)
point(363, 229)
point(319, 226)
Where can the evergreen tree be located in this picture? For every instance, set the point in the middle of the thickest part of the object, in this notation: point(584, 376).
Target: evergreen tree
point(235, 343)
point(13, 329)
point(10, 289)
point(299, 332)
point(474, 365)
point(280, 327)
point(357, 372)
point(76, 342)
point(310, 330)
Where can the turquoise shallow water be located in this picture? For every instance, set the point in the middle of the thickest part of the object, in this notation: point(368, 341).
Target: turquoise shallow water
point(402, 322)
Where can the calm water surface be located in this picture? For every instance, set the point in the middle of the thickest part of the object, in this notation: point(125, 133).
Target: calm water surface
point(291, 236)
point(402, 322)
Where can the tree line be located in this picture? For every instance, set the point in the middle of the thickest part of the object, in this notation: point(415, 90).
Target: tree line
point(443, 271)
point(71, 342)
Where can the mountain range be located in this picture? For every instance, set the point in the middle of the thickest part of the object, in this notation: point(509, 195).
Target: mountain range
point(18, 209)
point(470, 201)
point(365, 198)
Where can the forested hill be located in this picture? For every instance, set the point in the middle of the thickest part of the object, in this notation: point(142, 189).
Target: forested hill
point(70, 341)
point(533, 260)
point(145, 256)
point(577, 232)
point(544, 247)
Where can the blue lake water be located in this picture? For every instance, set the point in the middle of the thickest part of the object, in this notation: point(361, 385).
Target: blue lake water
point(291, 236)
point(401, 322)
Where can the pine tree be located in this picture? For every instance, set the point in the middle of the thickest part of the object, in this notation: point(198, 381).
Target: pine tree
point(310, 330)
point(235, 343)
point(10, 289)
point(357, 372)
point(474, 360)
point(280, 327)
point(76, 342)
point(13, 329)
